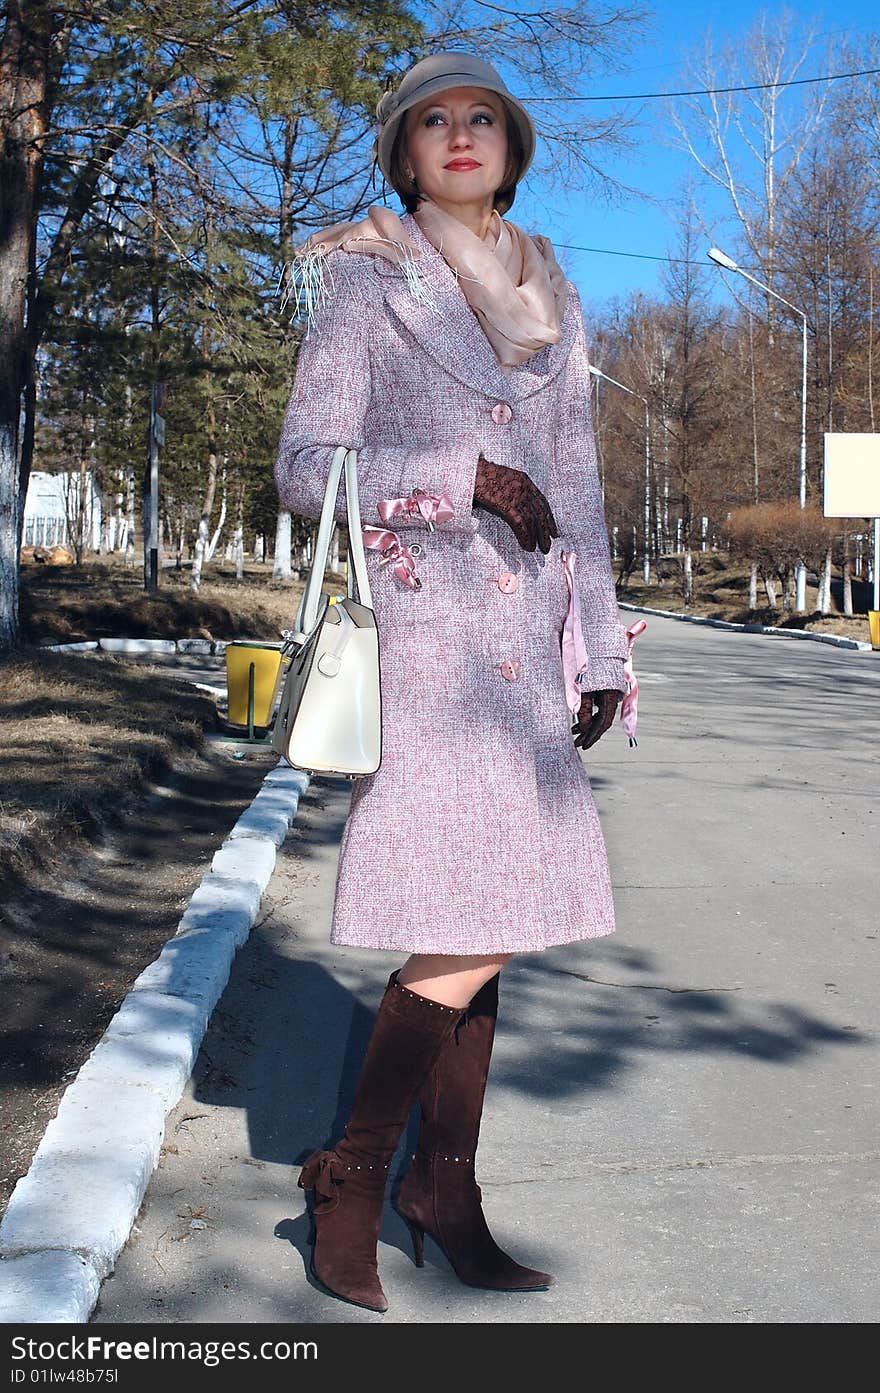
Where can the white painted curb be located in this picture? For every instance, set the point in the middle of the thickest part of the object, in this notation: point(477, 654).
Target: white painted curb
point(207, 647)
point(70, 1216)
point(837, 640)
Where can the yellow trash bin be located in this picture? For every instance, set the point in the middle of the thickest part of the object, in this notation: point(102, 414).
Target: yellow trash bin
point(874, 627)
point(251, 679)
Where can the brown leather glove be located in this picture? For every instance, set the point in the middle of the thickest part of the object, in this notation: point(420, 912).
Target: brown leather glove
point(511, 495)
point(589, 726)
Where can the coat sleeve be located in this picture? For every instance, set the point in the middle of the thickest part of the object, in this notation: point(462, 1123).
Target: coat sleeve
point(580, 513)
point(329, 406)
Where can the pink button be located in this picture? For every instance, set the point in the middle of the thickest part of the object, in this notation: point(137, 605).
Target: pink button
point(501, 413)
point(507, 583)
point(510, 670)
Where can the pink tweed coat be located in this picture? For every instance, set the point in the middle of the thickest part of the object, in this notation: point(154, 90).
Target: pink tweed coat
point(479, 833)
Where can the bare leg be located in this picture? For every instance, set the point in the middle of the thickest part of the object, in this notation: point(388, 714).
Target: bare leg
point(453, 980)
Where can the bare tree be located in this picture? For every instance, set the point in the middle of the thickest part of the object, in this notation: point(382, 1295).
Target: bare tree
point(692, 390)
point(779, 537)
point(749, 144)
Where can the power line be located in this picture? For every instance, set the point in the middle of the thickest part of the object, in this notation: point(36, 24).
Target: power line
point(712, 91)
point(638, 256)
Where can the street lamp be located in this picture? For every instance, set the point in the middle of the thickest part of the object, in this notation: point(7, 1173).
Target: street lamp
point(728, 264)
point(646, 571)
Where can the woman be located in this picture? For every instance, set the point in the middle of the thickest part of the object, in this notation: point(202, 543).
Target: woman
point(447, 347)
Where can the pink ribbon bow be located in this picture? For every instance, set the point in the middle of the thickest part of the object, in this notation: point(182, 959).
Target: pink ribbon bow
point(433, 507)
point(575, 657)
point(574, 650)
point(629, 707)
point(394, 554)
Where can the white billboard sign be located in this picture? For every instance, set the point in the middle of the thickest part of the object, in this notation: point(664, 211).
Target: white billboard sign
point(852, 475)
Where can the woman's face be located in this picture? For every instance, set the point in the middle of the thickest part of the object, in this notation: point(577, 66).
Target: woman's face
point(456, 146)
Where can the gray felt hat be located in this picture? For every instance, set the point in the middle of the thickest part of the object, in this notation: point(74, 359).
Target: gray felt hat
point(436, 74)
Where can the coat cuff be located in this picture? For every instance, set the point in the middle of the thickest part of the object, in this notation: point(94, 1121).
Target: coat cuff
point(603, 675)
point(608, 648)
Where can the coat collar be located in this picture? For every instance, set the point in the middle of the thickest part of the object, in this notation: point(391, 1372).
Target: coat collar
point(450, 331)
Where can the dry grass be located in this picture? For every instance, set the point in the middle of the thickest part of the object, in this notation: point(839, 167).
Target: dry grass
point(81, 736)
point(722, 592)
point(105, 599)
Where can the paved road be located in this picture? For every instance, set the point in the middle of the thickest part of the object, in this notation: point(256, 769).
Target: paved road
point(682, 1119)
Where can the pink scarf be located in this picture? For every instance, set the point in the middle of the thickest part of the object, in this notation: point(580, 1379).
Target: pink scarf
point(512, 281)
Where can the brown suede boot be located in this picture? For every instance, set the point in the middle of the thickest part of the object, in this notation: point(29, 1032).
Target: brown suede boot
point(347, 1183)
point(439, 1194)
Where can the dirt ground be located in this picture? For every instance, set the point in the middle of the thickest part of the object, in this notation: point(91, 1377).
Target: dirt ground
point(106, 599)
point(80, 735)
point(74, 942)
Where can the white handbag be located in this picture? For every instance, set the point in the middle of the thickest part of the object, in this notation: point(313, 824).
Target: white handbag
point(329, 719)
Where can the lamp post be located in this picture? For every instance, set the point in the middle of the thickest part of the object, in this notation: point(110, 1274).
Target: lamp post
point(646, 570)
point(728, 264)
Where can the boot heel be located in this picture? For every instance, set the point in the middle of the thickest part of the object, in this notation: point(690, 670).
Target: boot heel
point(418, 1237)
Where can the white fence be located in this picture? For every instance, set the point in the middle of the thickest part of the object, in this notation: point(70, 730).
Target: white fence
point(53, 508)
point(45, 532)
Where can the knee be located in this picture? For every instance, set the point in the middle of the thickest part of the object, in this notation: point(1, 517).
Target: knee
point(491, 967)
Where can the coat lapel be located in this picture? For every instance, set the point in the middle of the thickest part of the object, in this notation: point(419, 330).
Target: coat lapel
point(450, 332)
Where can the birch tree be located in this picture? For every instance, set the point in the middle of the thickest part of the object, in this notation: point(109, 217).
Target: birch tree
point(749, 144)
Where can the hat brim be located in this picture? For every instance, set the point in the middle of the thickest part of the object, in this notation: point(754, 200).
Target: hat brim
point(443, 82)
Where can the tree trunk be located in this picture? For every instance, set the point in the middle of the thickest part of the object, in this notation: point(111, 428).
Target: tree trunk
point(688, 577)
point(129, 519)
point(770, 587)
point(25, 54)
point(208, 505)
point(115, 524)
point(847, 577)
point(282, 569)
point(753, 587)
point(150, 581)
point(199, 555)
point(81, 507)
point(201, 546)
point(823, 598)
point(8, 513)
point(238, 538)
point(212, 545)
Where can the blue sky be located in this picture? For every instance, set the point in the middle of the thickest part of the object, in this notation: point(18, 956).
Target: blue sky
point(658, 170)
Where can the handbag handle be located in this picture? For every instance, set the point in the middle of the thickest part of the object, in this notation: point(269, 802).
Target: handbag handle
point(344, 461)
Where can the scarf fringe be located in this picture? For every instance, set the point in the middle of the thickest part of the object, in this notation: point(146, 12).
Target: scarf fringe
point(303, 282)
